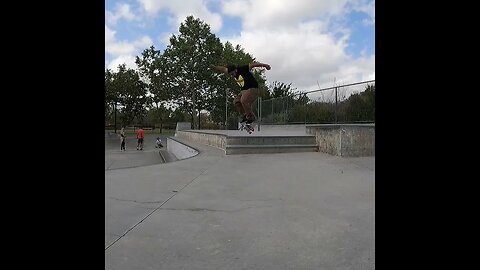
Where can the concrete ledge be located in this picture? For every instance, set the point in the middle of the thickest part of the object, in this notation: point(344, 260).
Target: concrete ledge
point(345, 139)
point(180, 150)
point(299, 127)
point(215, 140)
point(271, 140)
point(263, 149)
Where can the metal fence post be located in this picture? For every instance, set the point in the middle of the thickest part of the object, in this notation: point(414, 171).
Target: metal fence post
point(305, 109)
point(336, 104)
point(259, 108)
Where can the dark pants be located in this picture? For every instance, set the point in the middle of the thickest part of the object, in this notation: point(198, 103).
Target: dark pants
point(122, 147)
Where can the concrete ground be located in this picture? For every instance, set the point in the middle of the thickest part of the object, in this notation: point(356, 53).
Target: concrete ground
point(255, 211)
point(117, 159)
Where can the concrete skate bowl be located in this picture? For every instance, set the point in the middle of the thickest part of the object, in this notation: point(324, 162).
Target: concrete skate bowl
point(180, 150)
point(172, 151)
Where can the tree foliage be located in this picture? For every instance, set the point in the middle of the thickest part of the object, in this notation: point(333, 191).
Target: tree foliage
point(186, 60)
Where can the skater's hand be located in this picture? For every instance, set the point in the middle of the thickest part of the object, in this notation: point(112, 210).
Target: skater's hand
point(267, 66)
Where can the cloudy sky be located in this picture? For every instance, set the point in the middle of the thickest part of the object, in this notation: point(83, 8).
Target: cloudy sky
point(308, 43)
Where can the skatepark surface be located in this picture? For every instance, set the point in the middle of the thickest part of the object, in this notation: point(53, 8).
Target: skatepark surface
point(249, 211)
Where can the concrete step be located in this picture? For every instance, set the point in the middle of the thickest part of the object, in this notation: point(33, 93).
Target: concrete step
point(267, 148)
point(270, 140)
point(253, 143)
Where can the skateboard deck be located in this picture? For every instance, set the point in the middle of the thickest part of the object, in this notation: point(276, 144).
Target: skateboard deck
point(249, 128)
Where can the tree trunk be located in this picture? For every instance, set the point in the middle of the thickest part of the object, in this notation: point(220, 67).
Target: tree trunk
point(194, 110)
point(193, 120)
point(199, 120)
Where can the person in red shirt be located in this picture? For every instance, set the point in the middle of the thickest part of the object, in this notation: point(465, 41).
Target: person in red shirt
point(140, 136)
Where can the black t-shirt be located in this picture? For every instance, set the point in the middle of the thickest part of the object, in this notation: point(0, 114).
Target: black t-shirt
point(245, 79)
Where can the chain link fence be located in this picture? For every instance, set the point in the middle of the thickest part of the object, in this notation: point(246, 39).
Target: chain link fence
point(349, 103)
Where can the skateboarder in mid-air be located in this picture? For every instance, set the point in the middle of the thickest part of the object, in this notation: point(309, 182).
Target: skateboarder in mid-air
point(248, 87)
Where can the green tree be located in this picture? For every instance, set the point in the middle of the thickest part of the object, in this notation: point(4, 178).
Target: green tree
point(158, 117)
point(110, 95)
point(361, 106)
point(132, 94)
point(151, 70)
point(186, 62)
point(280, 89)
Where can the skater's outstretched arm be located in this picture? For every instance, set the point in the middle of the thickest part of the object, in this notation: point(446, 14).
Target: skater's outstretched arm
point(220, 69)
point(257, 64)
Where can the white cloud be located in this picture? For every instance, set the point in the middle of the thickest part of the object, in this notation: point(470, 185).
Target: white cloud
point(304, 41)
point(368, 22)
point(119, 48)
point(360, 69)
point(182, 9)
point(301, 50)
point(114, 47)
point(123, 51)
point(165, 38)
point(122, 11)
point(144, 42)
point(128, 60)
point(109, 35)
point(304, 54)
point(280, 13)
point(367, 7)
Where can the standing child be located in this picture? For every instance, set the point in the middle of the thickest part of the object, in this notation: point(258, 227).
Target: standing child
point(140, 136)
point(122, 139)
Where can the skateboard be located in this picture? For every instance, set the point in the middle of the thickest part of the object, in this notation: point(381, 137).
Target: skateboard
point(250, 128)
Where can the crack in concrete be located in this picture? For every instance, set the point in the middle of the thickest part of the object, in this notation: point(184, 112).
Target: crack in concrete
point(158, 207)
point(134, 201)
point(109, 166)
point(212, 210)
